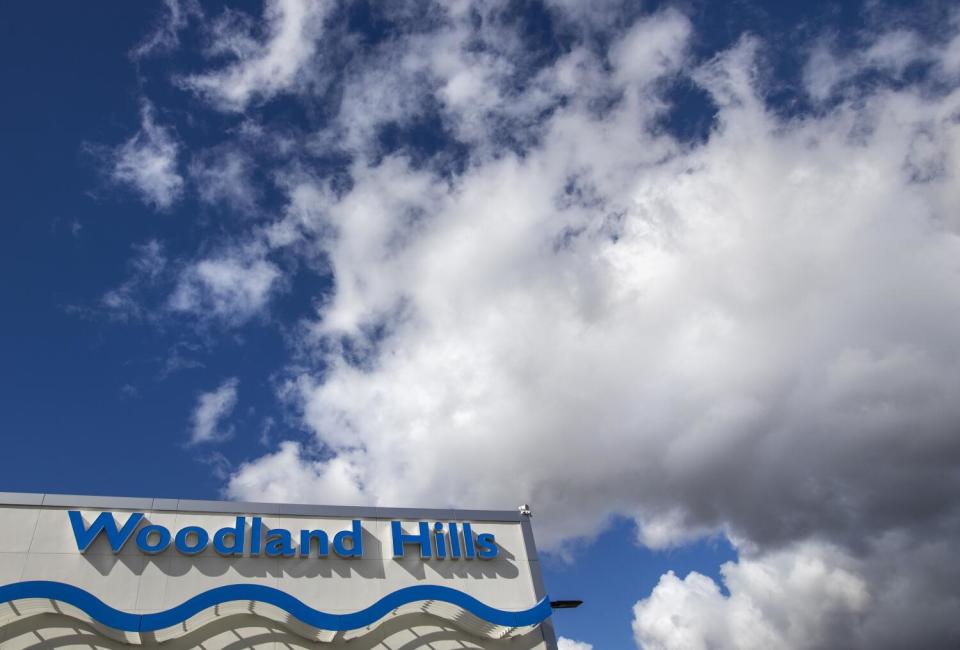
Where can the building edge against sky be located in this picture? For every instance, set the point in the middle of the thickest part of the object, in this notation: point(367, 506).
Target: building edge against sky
point(106, 572)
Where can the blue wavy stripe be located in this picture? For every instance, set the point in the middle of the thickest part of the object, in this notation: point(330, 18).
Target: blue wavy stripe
point(99, 611)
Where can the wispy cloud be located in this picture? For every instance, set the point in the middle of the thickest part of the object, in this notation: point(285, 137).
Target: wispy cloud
point(231, 289)
point(147, 162)
point(166, 34)
point(126, 301)
point(212, 408)
point(223, 179)
point(261, 69)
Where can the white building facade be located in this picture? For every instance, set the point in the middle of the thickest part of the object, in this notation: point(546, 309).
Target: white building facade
point(112, 572)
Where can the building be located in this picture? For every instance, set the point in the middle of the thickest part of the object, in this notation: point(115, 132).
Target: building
point(105, 572)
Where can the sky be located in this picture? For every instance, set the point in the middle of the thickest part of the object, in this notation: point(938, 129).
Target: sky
point(684, 276)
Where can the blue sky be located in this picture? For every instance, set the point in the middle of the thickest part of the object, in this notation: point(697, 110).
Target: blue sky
point(681, 275)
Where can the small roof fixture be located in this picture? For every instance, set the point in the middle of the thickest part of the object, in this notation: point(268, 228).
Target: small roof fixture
point(565, 604)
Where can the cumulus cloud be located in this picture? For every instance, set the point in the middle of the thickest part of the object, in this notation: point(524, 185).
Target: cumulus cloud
point(806, 597)
point(212, 408)
point(751, 334)
point(147, 162)
point(741, 277)
point(564, 643)
point(260, 69)
point(233, 289)
point(336, 479)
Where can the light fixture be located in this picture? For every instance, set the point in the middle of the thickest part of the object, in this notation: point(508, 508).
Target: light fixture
point(565, 604)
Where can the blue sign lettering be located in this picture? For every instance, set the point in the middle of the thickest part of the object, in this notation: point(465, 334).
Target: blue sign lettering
point(440, 541)
point(143, 539)
point(444, 542)
point(106, 524)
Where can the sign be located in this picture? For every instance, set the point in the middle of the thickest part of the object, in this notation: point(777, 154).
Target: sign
point(437, 541)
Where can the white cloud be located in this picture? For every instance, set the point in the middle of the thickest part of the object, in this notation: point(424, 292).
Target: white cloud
point(231, 288)
point(949, 61)
point(708, 306)
point(166, 34)
point(804, 597)
point(564, 643)
point(211, 409)
point(148, 162)
point(463, 76)
point(288, 476)
point(147, 266)
point(262, 70)
point(223, 179)
point(890, 53)
point(751, 335)
point(651, 47)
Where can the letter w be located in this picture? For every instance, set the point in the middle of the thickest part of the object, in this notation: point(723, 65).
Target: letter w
point(103, 523)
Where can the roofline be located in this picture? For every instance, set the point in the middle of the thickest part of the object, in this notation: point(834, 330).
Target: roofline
point(253, 508)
